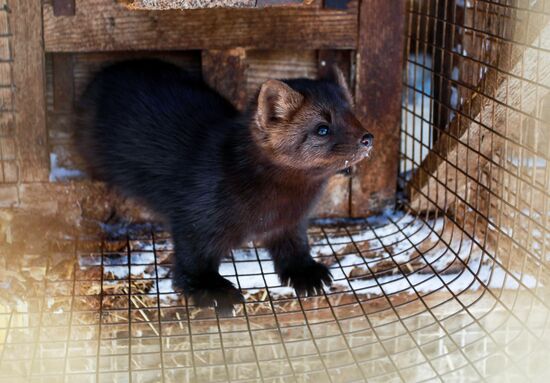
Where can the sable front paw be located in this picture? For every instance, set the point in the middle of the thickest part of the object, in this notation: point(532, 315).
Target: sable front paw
point(307, 279)
point(211, 290)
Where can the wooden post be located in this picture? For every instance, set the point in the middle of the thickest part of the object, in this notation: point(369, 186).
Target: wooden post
point(225, 71)
point(28, 77)
point(63, 82)
point(378, 90)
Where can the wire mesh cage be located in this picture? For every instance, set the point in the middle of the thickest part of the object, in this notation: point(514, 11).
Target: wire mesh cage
point(452, 285)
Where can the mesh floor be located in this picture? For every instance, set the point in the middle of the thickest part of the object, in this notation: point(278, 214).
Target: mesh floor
point(413, 299)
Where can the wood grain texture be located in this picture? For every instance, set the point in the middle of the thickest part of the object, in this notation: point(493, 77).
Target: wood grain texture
point(278, 64)
point(28, 75)
point(378, 101)
point(102, 25)
point(78, 201)
point(225, 71)
point(63, 82)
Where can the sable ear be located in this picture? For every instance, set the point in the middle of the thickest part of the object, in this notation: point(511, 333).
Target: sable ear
point(277, 101)
point(336, 76)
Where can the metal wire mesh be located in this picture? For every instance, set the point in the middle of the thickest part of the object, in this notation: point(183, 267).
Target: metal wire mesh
point(106, 312)
point(452, 286)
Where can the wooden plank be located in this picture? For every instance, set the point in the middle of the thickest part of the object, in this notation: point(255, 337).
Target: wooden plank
point(102, 25)
point(279, 64)
point(63, 7)
point(493, 112)
point(63, 82)
point(28, 75)
point(225, 71)
point(82, 200)
point(8, 196)
point(378, 90)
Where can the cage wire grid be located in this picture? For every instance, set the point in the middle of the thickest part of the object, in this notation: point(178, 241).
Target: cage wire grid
point(451, 286)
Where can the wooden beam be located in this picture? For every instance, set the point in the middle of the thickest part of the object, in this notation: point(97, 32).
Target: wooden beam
point(29, 78)
point(63, 82)
point(494, 111)
point(103, 25)
point(225, 71)
point(378, 90)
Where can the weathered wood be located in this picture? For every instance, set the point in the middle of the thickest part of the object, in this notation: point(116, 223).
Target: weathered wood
point(101, 25)
point(77, 201)
point(279, 64)
point(63, 82)
point(63, 7)
point(225, 71)
point(378, 100)
point(8, 195)
point(28, 75)
point(495, 111)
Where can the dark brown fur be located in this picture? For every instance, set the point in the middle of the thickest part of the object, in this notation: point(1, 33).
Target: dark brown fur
point(218, 177)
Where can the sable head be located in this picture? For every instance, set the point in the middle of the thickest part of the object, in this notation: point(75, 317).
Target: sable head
point(309, 124)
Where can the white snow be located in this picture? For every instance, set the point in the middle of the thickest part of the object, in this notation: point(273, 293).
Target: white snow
point(59, 173)
point(397, 241)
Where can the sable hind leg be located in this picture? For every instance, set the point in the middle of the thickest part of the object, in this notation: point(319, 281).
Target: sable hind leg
point(196, 274)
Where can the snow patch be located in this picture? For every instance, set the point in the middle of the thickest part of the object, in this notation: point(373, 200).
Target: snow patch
point(59, 173)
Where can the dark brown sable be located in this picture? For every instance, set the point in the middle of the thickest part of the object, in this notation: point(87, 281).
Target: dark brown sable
point(220, 177)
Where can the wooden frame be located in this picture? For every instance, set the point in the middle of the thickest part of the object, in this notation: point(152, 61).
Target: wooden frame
point(65, 28)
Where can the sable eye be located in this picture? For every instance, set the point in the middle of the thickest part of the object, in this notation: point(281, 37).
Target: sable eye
point(322, 130)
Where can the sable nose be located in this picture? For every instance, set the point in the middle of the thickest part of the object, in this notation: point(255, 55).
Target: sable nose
point(367, 140)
